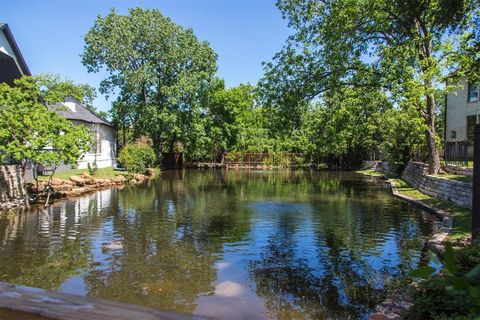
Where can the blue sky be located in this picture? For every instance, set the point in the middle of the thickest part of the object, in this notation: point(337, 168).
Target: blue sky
point(243, 33)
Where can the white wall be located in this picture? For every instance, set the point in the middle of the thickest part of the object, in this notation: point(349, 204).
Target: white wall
point(458, 108)
point(106, 158)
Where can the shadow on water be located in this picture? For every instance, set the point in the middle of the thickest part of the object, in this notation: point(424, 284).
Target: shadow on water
point(236, 244)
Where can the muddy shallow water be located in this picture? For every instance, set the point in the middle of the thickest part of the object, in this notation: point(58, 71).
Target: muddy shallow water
point(227, 244)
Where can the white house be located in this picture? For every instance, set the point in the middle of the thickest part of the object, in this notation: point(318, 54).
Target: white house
point(103, 150)
point(462, 112)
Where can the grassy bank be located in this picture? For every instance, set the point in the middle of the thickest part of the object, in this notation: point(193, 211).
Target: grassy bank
point(370, 172)
point(461, 216)
point(457, 177)
point(104, 173)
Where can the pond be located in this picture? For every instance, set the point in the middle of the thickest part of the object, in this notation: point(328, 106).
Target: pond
point(228, 244)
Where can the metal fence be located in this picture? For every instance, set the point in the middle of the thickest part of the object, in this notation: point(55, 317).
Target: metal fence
point(456, 152)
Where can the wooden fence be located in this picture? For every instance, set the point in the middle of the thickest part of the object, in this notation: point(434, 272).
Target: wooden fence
point(266, 159)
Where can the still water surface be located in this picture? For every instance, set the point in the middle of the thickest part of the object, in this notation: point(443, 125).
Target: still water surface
point(235, 245)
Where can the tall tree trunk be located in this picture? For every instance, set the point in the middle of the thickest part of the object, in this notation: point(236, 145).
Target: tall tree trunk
point(25, 192)
point(157, 146)
point(425, 54)
point(430, 134)
point(171, 150)
point(124, 138)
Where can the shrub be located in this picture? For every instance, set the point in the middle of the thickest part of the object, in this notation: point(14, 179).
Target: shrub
point(92, 168)
point(433, 299)
point(137, 157)
point(468, 257)
point(454, 293)
point(298, 160)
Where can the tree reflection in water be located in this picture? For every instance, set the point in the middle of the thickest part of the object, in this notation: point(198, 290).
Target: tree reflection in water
point(274, 244)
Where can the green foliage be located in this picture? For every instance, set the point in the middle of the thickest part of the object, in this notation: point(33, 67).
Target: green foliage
point(403, 136)
point(348, 124)
point(122, 118)
point(83, 93)
point(55, 89)
point(92, 168)
point(455, 293)
point(161, 70)
point(470, 47)
point(468, 258)
point(404, 49)
point(234, 122)
point(432, 299)
point(137, 157)
point(30, 131)
point(339, 90)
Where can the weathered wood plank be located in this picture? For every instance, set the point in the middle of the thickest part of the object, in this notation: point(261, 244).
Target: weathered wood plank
point(20, 302)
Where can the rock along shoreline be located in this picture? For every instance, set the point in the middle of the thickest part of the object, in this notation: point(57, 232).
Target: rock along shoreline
point(78, 185)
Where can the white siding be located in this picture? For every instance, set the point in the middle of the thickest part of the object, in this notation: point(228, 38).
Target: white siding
point(106, 158)
point(458, 108)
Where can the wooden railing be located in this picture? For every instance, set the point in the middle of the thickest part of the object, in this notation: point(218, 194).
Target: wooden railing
point(256, 159)
point(20, 302)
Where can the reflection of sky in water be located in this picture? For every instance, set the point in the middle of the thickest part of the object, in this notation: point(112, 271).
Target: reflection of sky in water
point(230, 245)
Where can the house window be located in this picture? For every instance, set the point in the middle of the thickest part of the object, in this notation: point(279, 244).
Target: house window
point(453, 134)
point(473, 92)
point(471, 121)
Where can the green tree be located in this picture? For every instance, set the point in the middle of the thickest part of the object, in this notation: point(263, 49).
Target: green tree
point(346, 127)
point(234, 122)
point(402, 136)
point(121, 114)
point(162, 66)
point(83, 93)
point(30, 132)
point(404, 47)
point(470, 45)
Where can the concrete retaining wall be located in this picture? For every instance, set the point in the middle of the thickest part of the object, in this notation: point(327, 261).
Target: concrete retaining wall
point(457, 192)
point(12, 188)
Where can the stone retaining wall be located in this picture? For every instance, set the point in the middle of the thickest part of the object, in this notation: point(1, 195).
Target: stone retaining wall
point(12, 187)
point(453, 169)
point(457, 192)
point(379, 166)
point(368, 164)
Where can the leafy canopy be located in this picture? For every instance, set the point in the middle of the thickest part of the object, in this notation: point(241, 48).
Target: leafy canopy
point(405, 48)
point(30, 131)
point(160, 69)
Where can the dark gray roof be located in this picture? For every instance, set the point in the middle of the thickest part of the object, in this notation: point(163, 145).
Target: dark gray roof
point(81, 113)
point(11, 40)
